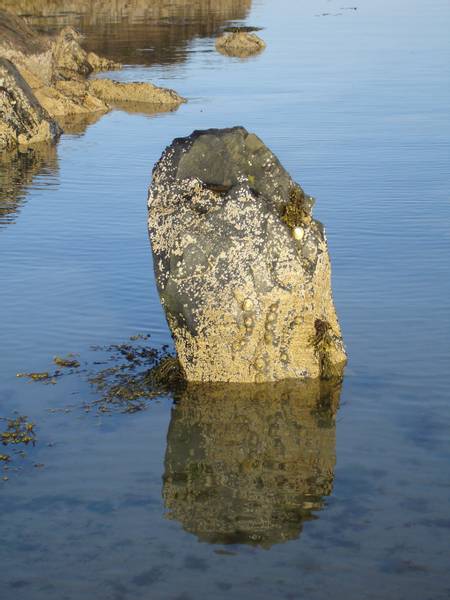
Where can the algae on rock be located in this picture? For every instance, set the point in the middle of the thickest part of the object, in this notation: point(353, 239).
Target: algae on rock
point(241, 266)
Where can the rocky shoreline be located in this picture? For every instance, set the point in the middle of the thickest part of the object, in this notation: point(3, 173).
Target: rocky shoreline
point(45, 79)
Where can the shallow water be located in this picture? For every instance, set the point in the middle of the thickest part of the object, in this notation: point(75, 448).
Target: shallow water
point(356, 106)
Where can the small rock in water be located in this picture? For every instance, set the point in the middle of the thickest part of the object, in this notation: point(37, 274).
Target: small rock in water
point(240, 42)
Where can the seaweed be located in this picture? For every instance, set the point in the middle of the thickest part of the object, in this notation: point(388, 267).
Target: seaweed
point(297, 211)
point(242, 29)
point(66, 362)
point(323, 342)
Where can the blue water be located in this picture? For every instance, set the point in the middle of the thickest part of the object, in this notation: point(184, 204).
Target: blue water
point(357, 108)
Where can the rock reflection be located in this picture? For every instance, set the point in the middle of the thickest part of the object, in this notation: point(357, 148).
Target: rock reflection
point(20, 167)
point(134, 31)
point(18, 170)
point(250, 463)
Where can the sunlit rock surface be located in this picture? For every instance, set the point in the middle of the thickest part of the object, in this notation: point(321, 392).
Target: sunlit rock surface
point(241, 266)
point(240, 44)
point(250, 464)
point(56, 70)
point(22, 118)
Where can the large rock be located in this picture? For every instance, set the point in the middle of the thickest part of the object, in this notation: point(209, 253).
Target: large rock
point(241, 266)
point(22, 119)
point(249, 464)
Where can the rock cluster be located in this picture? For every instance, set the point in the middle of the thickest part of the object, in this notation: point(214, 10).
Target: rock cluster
point(241, 266)
point(54, 77)
point(239, 43)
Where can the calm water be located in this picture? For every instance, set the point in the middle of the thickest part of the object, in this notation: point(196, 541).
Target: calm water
point(356, 104)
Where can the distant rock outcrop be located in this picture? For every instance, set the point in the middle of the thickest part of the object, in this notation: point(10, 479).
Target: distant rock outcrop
point(241, 266)
point(239, 43)
point(55, 70)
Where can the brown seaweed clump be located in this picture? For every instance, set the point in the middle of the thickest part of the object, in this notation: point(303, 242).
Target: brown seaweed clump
point(323, 343)
point(297, 211)
point(19, 430)
point(133, 375)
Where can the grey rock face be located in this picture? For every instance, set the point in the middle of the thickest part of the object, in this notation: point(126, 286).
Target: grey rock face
point(242, 268)
point(22, 118)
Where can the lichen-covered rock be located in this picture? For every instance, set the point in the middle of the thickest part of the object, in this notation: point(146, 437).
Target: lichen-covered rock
point(240, 44)
point(241, 266)
point(57, 68)
point(69, 97)
point(272, 469)
point(71, 59)
point(22, 119)
point(116, 91)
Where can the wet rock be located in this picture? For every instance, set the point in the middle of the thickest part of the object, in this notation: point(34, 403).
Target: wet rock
point(115, 91)
point(239, 43)
point(246, 298)
point(271, 471)
point(22, 118)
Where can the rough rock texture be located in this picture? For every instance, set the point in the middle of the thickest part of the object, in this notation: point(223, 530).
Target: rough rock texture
point(22, 118)
point(115, 91)
point(270, 472)
point(242, 268)
point(240, 44)
point(71, 59)
point(56, 70)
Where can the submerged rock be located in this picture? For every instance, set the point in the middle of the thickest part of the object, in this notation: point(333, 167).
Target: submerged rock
point(271, 470)
point(240, 43)
point(241, 266)
point(22, 119)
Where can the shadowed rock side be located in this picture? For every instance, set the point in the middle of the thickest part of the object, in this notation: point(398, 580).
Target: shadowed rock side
point(249, 464)
point(241, 266)
point(17, 171)
point(240, 44)
point(22, 119)
point(134, 31)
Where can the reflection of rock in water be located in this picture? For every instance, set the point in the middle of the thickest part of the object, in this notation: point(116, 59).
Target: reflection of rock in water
point(134, 31)
point(18, 168)
point(250, 463)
